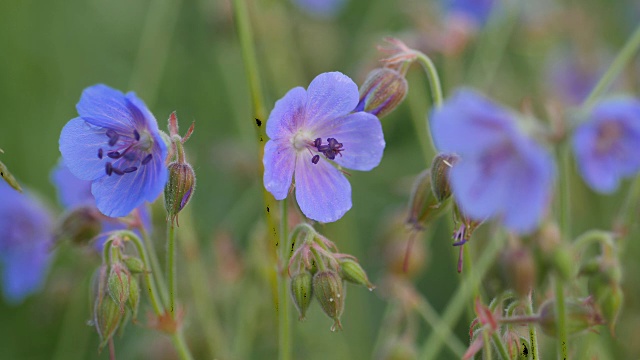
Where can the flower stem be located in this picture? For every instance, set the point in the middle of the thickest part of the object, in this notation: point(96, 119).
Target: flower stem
point(624, 56)
point(533, 335)
point(463, 294)
point(502, 350)
point(181, 346)
point(430, 316)
point(171, 267)
point(434, 79)
point(283, 306)
point(154, 264)
point(150, 284)
point(561, 318)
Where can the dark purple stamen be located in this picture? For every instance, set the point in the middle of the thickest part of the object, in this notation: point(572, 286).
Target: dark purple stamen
point(330, 150)
point(136, 134)
point(117, 171)
point(100, 153)
point(114, 154)
point(146, 160)
point(130, 169)
point(108, 168)
point(315, 159)
point(113, 137)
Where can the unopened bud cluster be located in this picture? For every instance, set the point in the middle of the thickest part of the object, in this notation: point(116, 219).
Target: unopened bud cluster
point(116, 291)
point(319, 271)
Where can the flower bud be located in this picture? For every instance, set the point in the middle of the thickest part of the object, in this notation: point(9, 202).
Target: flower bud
point(134, 264)
point(581, 315)
point(179, 187)
point(134, 296)
point(423, 204)
point(440, 167)
point(519, 269)
point(382, 91)
point(79, 225)
point(118, 284)
point(351, 271)
point(107, 316)
point(302, 292)
point(328, 289)
point(605, 288)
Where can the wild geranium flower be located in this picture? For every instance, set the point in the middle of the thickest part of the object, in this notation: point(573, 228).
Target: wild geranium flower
point(607, 144)
point(310, 131)
point(501, 173)
point(115, 144)
point(475, 12)
point(25, 240)
point(74, 193)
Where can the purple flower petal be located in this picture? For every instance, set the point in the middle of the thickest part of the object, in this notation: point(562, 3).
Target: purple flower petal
point(79, 144)
point(72, 191)
point(322, 191)
point(279, 161)
point(106, 107)
point(329, 96)
point(361, 136)
point(24, 273)
point(288, 114)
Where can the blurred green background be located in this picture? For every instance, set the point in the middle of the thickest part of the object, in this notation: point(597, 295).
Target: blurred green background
point(184, 55)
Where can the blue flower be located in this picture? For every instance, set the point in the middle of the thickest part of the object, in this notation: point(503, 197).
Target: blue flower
point(310, 131)
point(25, 240)
point(607, 144)
point(74, 193)
point(474, 11)
point(501, 173)
point(115, 144)
point(321, 8)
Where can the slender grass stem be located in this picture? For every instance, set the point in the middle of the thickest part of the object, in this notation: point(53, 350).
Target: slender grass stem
point(430, 316)
point(284, 320)
point(463, 294)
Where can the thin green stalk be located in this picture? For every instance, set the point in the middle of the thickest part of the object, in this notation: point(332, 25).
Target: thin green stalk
point(181, 345)
point(171, 267)
point(283, 307)
point(624, 56)
point(487, 350)
point(150, 284)
point(154, 265)
point(430, 316)
point(561, 318)
point(533, 335)
point(432, 76)
point(502, 350)
point(463, 294)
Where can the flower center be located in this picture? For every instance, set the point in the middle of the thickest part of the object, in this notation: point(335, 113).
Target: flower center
point(609, 135)
point(128, 151)
point(330, 150)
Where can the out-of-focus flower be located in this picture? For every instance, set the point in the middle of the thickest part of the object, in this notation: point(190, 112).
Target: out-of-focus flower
point(308, 128)
point(570, 79)
point(607, 144)
point(115, 144)
point(74, 193)
point(476, 12)
point(501, 172)
point(321, 8)
point(25, 240)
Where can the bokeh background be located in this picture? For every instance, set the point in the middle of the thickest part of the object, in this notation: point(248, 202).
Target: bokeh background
point(542, 56)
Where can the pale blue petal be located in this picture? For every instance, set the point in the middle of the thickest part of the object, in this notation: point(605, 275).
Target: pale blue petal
point(322, 191)
point(279, 161)
point(288, 114)
point(106, 107)
point(79, 143)
point(141, 116)
point(24, 272)
point(71, 190)
point(361, 137)
point(329, 96)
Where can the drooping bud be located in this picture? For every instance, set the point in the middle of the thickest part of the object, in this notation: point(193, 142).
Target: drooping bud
point(79, 225)
point(328, 289)
point(423, 204)
point(519, 269)
point(440, 167)
point(382, 91)
point(134, 264)
point(302, 292)
point(134, 296)
point(351, 271)
point(107, 315)
point(179, 188)
point(118, 284)
point(581, 315)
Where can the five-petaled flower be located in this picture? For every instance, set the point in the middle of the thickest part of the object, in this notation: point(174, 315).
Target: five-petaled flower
point(25, 241)
point(501, 173)
point(607, 144)
point(308, 128)
point(115, 144)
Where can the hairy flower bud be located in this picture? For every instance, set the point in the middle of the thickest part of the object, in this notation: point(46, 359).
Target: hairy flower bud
point(351, 271)
point(134, 296)
point(302, 292)
point(107, 315)
point(134, 264)
point(440, 167)
point(581, 315)
point(423, 204)
point(118, 284)
point(382, 91)
point(179, 188)
point(79, 225)
point(328, 289)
